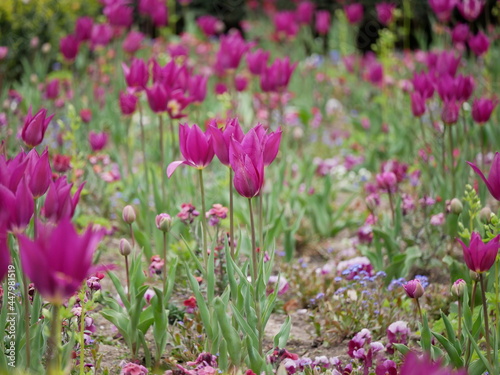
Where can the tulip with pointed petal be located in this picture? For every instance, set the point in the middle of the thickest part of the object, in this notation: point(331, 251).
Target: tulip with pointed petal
point(493, 180)
point(16, 209)
point(482, 109)
point(35, 127)
point(480, 256)
point(58, 203)
point(222, 138)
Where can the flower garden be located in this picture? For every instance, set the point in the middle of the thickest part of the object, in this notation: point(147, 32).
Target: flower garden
point(249, 187)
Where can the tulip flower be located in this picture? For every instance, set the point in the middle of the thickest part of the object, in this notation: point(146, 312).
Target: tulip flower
point(470, 9)
point(480, 256)
point(83, 28)
point(414, 289)
point(354, 12)
point(270, 143)
point(4, 51)
point(285, 24)
point(16, 208)
point(59, 259)
point(460, 33)
point(442, 8)
point(196, 148)
point(276, 77)
point(423, 84)
point(464, 87)
point(128, 103)
point(482, 109)
point(137, 75)
point(222, 138)
point(52, 89)
point(493, 180)
point(69, 46)
point(61, 163)
point(101, 35)
point(415, 365)
point(4, 254)
point(417, 104)
point(209, 25)
point(385, 12)
point(98, 141)
point(247, 161)
point(132, 42)
point(305, 12)
point(157, 98)
point(39, 173)
point(198, 88)
point(323, 19)
point(58, 203)
point(118, 14)
point(479, 44)
point(86, 115)
point(231, 50)
point(450, 111)
point(257, 61)
point(34, 127)
point(240, 83)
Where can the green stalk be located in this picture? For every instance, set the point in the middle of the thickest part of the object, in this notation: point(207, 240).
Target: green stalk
point(203, 221)
point(172, 135)
point(486, 323)
point(473, 297)
point(451, 163)
point(165, 240)
point(391, 204)
point(261, 218)
point(82, 340)
point(459, 318)
point(128, 277)
point(419, 310)
point(55, 341)
point(231, 212)
point(143, 144)
point(497, 294)
point(255, 265)
point(162, 161)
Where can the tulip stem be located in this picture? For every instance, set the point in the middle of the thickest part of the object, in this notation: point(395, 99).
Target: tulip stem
point(486, 323)
point(132, 237)
point(422, 128)
point(419, 310)
point(82, 339)
point(165, 241)
point(162, 161)
point(128, 277)
point(203, 221)
point(55, 340)
point(255, 265)
point(172, 135)
point(27, 319)
point(497, 293)
point(261, 218)
point(231, 213)
point(143, 144)
point(459, 318)
point(391, 204)
point(451, 162)
point(472, 300)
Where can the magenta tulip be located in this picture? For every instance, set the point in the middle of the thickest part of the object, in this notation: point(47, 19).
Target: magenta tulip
point(285, 24)
point(240, 83)
point(34, 127)
point(39, 172)
point(98, 141)
point(209, 25)
point(222, 138)
point(128, 103)
point(385, 12)
point(198, 88)
point(16, 209)
point(482, 109)
point(4, 51)
point(59, 259)
point(137, 75)
point(119, 14)
point(101, 35)
point(323, 19)
point(257, 61)
point(423, 84)
point(69, 46)
point(132, 42)
point(58, 203)
point(83, 28)
point(414, 289)
point(52, 89)
point(305, 12)
point(480, 256)
point(479, 44)
point(276, 77)
point(231, 50)
point(5, 260)
point(450, 112)
point(464, 87)
point(354, 12)
point(470, 9)
point(417, 104)
point(442, 8)
point(415, 365)
point(157, 98)
point(270, 143)
point(460, 33)
point(196, 148)
point(493, 180)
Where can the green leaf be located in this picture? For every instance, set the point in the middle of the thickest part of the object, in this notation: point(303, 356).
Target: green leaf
point(455, 358)
point(282, 336)
point(403, 349)
point(425, 335)
point(229, 333)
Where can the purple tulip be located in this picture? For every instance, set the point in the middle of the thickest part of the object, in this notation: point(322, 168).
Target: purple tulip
point(276, 77)
point(257, 61)
point(323, 19)
point(128, 103)
point(209, 25)
point(480, 256)
point(493, 180)
point(470, 9)
point(482, 109)
point(132, 42)
point(247, 162)
point(445, 62)
point(460, 33)
point(305, 12)
point(231, 50)
point(354, 12)
point(101, 35)
point(58, 203)
point(479, 44)
point(5, 260)
point(385, 12)
point(83, 28)
point(98, 141)
point(137, 75)
point(387, 181)
point(464, 87)
point(52, 89)
point(270, 143)
point(16, 209)
point(423, 84)
point(172, 76)
point(446, 88)
point(285, 24)
point(222, 138)
point(35, 127)
point(450, 111)
point(196, 148)
point(157, 98)
point(415, 365)
point(198, 88)
point(240, 83)
point(64, 256)
point(414, 289)
point(39, 172)
point(69, 46)
point(160, 16)
point(119, 14)
point(417, 104)
point(442, 8)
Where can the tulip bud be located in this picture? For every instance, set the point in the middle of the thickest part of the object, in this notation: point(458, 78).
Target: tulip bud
point(474, 275)
point(485, 215)
point(163, 222)
point(457, 289)
point(456, 206)
point(128, 214)
point(414, 289)
point(125, 247)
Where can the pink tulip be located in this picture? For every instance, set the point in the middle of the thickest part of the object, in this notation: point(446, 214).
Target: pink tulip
point(305, 12)
point(285, 24)
point(52, 89)
point(276, 77)
point(450, 112)
point(221, 138)
point(98, 141)
point(231, 50)
point(69, 47)
point(417, 104)
point(470, 9)
point(34, 127)
point(443, 8)
point(137, 75)
point(257, 61)
point(323, 19)
point(39, 173)
point(119, 14)
point(479, 44)
point(385, 12)
point(58, 203)
point(101, 35)
point(479, 256)
point(209, 25)
point(240, 83)
point(198, 88)
point(354, 12)
point(493, 180)
point(157, 98)
point(64, 256)
point(417, 365)
point(482, 109)
point(86, 115)
point(83, 28)
point(132, 42)
point(460, 33)
point(196, 148)
point(128, 103)
point(17, 208)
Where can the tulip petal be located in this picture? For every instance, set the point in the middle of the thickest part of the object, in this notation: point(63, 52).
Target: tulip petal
point(492, 191)
point(173, 166)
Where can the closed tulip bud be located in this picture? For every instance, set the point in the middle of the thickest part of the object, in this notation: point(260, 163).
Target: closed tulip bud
point(69, 47)
point(414, 289)
point(485, 215)
point(125, 247)
point(474, 276)
point(456, 206)
point(163, 222)
point(457, 289)
point(128, 214)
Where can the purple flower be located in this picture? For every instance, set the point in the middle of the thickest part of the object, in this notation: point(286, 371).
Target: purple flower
point(323, 20)
point(304, 12)
point(482, 109)
point(415, 365)
point(257, 61)
point(354, 12)
point(69, 46)
point(35, 127)
point(470, 9)
point(480, 256)
point(385, 12)
point(442, 8)
point(98, 141)
point(414, 289)
point(493, 180)
point(133, 42)
point(479, 44)
point(209, 25)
